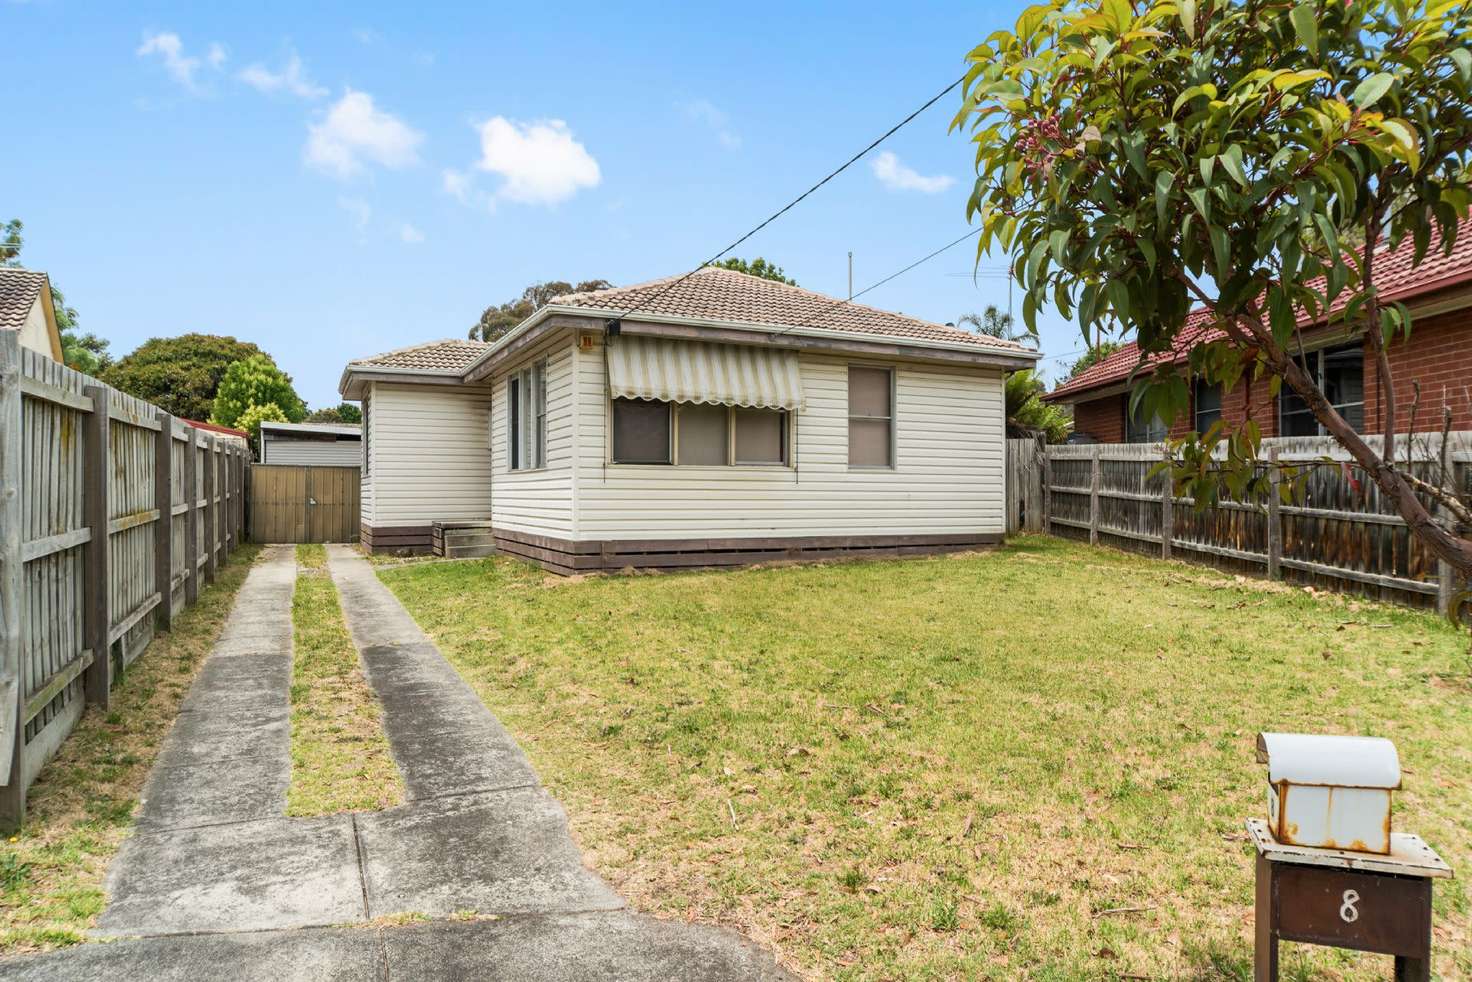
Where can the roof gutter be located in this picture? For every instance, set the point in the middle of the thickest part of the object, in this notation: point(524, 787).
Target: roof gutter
point(354, 371)
point(1004, 357)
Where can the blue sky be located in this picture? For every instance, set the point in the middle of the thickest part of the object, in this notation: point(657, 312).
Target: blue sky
point(333, 180)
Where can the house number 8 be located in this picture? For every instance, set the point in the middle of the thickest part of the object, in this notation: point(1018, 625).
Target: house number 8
point(1348, 912)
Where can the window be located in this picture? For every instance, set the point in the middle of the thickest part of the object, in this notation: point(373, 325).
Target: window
point(697, 435)
point(526, 418)
point(1340, 373)
point(641, 432)
point(1208, 401)
point(870, 417)
point(1140, 430)
point(367, 458)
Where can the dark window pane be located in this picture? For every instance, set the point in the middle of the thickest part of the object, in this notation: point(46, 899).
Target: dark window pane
point(868, 443)
point(513, 423)
point(703, 433)
point(1344, 377)
point(1140, 430)
point(868, 392)
point(1208, 405)
point(759, 436)
point(641, 432)
point(1300, 424)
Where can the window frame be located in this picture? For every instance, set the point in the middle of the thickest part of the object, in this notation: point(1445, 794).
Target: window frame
point(1320, 357)
point(1131, 427)
point(526, 417)
point(786, 423)
point(1196, 410)
point(892, 419)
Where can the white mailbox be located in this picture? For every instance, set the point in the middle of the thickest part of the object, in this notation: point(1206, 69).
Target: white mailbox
point(1330, 792)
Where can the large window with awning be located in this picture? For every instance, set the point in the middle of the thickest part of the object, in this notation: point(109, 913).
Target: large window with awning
point(698, 404)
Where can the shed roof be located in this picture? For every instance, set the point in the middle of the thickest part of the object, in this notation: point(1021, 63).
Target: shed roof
point(335, 429)
point(1396, 273)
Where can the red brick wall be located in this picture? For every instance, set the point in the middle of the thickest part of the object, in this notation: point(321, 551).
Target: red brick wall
point(1439, 356)
point(1102, 419)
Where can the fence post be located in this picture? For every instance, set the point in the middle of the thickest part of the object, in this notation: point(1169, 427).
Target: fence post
point(163, 529)
point(1094, 498)
point(96, 589)
point(1047, 491)
point(191, 517)
point(1275, 520)
point(1167, 514)
point(1446, 577)
point(211, 509)
point(12, 690)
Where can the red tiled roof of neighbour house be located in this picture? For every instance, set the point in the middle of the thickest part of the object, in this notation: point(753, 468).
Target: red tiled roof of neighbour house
point(447, 356)
point(215, 428)
point(1395, 272)
point(19, 289)
point(717, 294)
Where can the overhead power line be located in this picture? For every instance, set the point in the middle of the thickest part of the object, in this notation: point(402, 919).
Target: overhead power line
point(794, 202)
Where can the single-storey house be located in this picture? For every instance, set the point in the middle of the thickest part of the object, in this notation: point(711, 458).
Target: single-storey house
point(25, 307)
point(714, 419)
point(1438, 292)
point(316, 444)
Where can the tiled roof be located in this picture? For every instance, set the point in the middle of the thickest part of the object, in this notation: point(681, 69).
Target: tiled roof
point(19, 289)
point(447, 356)
point(725, 295)
point(1395, 273)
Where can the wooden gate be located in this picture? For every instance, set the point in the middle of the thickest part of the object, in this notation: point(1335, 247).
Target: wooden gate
point(295, 503)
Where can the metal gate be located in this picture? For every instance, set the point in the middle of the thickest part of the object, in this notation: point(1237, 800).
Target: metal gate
point(296, 503)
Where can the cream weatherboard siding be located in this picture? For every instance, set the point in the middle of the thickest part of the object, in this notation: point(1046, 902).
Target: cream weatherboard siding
point(948, 477)
point(430, 458)
point(320, 453)
point(538, 502)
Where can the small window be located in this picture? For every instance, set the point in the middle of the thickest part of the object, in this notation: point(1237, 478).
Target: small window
point(704, 434)
point(1208, 400)
point(1140, 430)
point(1340, 374)
point(641, 432)
point(761, 436)
point(870, 417)
point(526, 418)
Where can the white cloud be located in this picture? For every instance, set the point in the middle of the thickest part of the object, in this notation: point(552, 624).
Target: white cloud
point(169, 49)
point(292, 78)
point(217, 55)
point(354, 130)
point(361, 210)
point(541, 163)
point(410, 234)
point(897, 177)
point(704, 112)
point(457, 184)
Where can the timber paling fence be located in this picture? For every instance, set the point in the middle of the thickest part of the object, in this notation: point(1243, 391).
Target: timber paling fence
point(112, 514)
point(1338, 533)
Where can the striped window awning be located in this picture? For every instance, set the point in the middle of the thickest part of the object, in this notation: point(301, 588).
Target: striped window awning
point(700, 371)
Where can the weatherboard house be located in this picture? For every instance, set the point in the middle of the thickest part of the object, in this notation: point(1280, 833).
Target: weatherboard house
point(706, 420)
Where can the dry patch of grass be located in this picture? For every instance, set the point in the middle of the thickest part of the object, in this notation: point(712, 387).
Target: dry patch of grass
point(340, 759)
point(81, 806)
point(1029, 763)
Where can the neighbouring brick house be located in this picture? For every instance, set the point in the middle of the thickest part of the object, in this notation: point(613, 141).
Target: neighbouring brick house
point(1438, 355)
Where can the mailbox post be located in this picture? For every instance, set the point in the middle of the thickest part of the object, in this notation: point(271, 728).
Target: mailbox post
point(1374, 895)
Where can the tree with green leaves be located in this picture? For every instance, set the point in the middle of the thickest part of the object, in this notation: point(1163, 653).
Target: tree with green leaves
point(84, 352)
point(1138, 159)
point(250, 421)
point(994, 324)
point(1097, 352)
point(1027, 413)
point(757, 267)
point(255, 381)
point(179, 375)
point(498, 320)
point(343, 412)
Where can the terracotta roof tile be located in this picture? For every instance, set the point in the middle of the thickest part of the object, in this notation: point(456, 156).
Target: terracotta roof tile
point(1395, 272)
point(19, 289)
point(448, 356)
point(725, 295)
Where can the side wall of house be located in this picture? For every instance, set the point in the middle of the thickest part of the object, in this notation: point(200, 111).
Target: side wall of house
point(35, 333)
point(1102, 418)
point(430, 461)
point(537, 502)
point(948, 483)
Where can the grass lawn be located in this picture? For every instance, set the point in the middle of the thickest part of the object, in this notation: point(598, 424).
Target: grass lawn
point(1028, 763)
point(340, 759)
point(81, 806)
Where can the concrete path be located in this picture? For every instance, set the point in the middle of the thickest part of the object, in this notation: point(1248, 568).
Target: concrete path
point(214, 855)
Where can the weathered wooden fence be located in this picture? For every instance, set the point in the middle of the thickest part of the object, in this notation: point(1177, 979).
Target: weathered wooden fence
point(1338, 533)
point(111, 514)
point(1024, 485)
